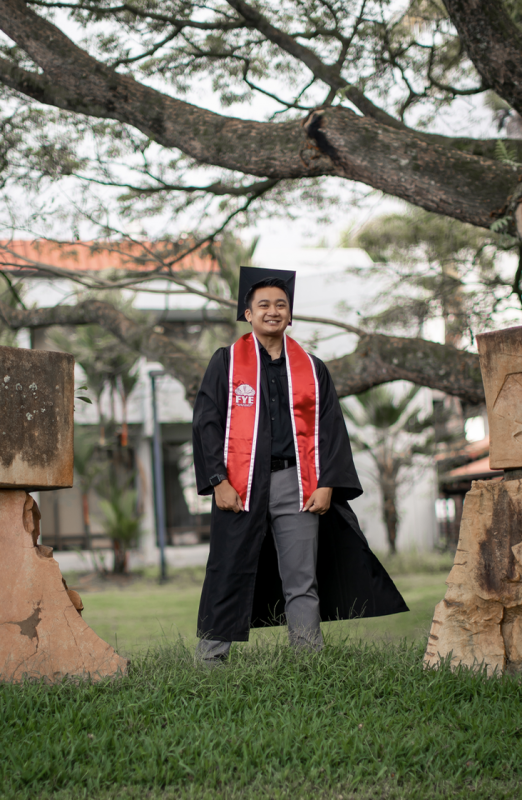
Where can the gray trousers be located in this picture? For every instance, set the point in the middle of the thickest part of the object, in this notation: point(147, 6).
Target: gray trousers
point(295, 536)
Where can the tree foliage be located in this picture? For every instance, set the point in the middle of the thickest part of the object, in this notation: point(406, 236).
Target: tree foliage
point(391, 427)
point(433, 267)
point(121, 520)
point(148, 117)
point(97, 96)
point(107, 364)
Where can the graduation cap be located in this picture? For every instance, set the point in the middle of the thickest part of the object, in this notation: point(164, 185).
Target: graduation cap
point(251, 276)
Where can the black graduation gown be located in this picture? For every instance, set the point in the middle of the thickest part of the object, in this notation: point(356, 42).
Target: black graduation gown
point(242, 587)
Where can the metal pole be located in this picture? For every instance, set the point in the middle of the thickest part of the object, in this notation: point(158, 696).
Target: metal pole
point(159, 494)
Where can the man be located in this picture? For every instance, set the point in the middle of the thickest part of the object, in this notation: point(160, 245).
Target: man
point(271, 444)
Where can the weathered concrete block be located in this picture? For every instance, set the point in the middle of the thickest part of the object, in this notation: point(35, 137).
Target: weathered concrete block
point(42, 634)
point(36, 419)
point(480, 618)
point(501, 366)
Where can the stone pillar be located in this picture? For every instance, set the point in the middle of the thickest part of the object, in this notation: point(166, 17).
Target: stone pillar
point(501, 366)
point(479, 621)
point(36, 419)
point(42, 633)
point(480, 618)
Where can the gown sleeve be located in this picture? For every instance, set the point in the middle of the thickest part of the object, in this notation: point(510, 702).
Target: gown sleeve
point(209, 422)
point(337, 469)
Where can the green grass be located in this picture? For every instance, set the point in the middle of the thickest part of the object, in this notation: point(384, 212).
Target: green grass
point(145, 613)
point(356, 721)
point(360, 721)
point(414, 562)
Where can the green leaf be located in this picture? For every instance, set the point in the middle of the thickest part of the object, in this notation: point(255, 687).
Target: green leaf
point(507, 154)
point(499, 224)
point(85, 399)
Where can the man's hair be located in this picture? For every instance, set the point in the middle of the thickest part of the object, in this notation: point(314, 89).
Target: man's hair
point(277, 282)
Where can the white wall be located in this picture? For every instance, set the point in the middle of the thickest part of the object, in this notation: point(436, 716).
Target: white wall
point(416, 502)
point(322, 287)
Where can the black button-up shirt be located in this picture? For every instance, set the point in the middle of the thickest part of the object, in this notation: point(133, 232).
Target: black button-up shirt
point(279, 405)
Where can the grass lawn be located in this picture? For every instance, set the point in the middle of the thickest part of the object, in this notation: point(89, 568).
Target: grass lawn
point(355, 722)
point(145, 614)
point(360, 721)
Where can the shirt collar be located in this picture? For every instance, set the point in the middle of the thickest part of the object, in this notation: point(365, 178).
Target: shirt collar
point(266, 354)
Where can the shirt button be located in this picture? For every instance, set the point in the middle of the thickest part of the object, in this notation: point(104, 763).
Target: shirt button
point(273, 418)
point(273, 399)
point(273, 381)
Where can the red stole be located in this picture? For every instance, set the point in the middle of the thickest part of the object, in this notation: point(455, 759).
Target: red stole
point(243, 415)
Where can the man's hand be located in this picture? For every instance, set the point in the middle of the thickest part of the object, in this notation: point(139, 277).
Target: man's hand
point(319, 501)
point(227, 499)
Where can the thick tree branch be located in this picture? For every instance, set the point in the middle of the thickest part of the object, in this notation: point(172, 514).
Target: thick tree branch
point(36, 86)
point(494, 44)
point(335, 141)
point(180, 363)
point(377, 359)
point(380, 359)
point(429, 175)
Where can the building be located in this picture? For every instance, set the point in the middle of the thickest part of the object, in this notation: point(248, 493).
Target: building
point(324, 289)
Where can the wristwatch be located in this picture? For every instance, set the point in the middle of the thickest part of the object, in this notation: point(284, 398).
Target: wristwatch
point(215, 479)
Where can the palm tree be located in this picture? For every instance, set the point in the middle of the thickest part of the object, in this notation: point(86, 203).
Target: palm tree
point(123, 379)
point(106, 363)
point(90, 345)
point(88, 470)
point(122, 522)
point(392, 432)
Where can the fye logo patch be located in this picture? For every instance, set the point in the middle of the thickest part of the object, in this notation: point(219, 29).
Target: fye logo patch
point(245, 395)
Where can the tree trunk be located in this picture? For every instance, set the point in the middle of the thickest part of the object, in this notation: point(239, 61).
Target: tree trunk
point(390, 513)
point(86, 519)
point(120, 557)
point(391, 521)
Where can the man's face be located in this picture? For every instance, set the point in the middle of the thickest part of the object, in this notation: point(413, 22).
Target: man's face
point(270, 314)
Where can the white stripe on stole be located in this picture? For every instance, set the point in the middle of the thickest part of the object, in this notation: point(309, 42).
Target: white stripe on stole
point(230, 401)
point(316, 427)
point(292, 417)
point(256, 426)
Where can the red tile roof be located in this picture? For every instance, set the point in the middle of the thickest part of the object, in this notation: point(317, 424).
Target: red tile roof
point(23, 255)
point(480, 467)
